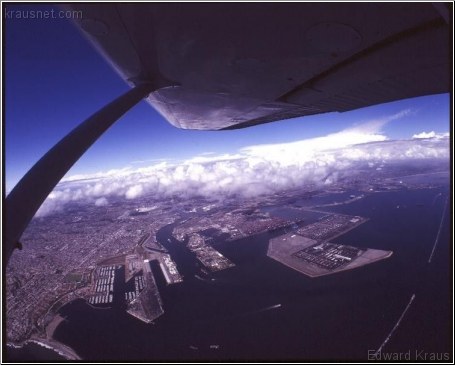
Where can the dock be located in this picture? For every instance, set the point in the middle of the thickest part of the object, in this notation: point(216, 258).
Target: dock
point(146, 304)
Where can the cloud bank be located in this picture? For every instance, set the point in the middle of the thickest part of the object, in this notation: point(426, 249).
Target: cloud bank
point(431, 134)
point(254, 170)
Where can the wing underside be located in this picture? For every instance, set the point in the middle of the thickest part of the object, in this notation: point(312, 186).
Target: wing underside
point(227, 66)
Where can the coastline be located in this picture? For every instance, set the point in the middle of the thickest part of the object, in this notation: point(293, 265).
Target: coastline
point(52, 326)
point(61, 349)
point(47, 340)
point(49, 343)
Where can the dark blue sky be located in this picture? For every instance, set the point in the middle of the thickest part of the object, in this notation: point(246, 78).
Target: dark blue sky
point(54, 80)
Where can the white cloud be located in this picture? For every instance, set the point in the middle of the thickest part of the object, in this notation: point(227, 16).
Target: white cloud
point(431, 134)
point(99, 175)
point(101, 202)
point(254, 170)
point(134, 191)
point(295, 151)
point(209, 157)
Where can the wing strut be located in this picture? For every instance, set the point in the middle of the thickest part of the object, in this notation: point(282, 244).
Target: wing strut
point(31, 191)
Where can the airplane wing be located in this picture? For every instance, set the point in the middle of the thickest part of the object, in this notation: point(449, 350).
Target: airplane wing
point(234, 65)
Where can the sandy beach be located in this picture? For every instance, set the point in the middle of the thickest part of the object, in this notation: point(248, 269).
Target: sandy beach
point(49, 342)
point(52, 326)
point(63, 350)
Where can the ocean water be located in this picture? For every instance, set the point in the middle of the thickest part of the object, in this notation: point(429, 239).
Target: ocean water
point(342, 316)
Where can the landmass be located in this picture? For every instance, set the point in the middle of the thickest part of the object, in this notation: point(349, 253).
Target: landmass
point(85, 251)
point(314, 258)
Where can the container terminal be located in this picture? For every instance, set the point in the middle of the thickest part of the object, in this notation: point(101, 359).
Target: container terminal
point(308, 251)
